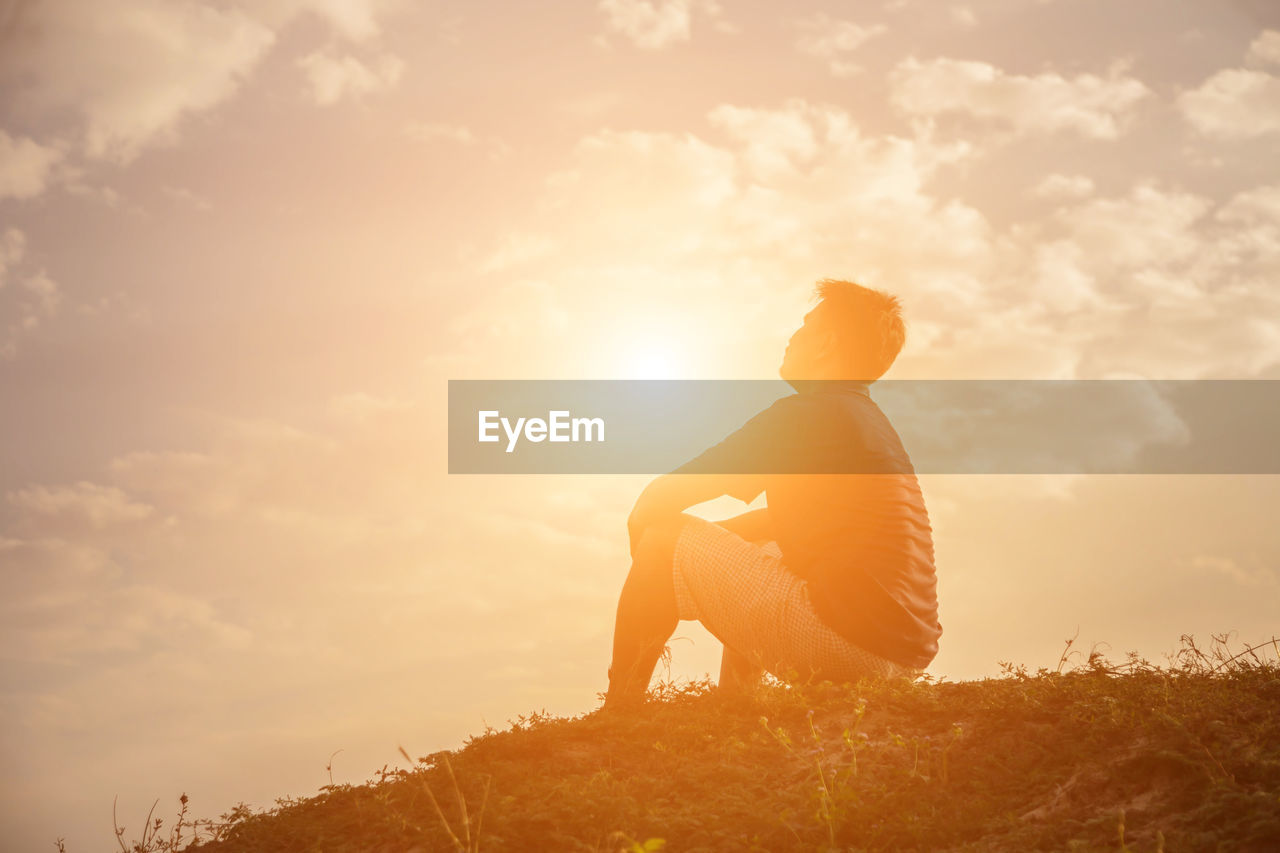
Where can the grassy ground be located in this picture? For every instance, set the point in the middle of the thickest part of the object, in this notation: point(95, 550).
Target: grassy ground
point(1094, 756)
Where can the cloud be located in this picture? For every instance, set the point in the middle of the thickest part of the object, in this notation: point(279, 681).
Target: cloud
point(333, 78)
point(773, 142)
point(25, 166)
point(1253, 575)
point(45, 290)
point(187, 198)
point(101, 506)
point(1196, 271)
point(654, 24)
point(429, 131)
point(13, 245)
point(964, 16)
point(1259, 206)
point(1146, 229)
point(782, 196)
point(515, 250)
point(359, 406)
point(1058, 186)
point(1013, 427)
point(771, 198)
point(355, 20)
point(1266, 47)
point(35, 299)
point(116, 79)
point(1087, 104)
point(129, 71)
point(73, 604)
point(833, 40)
point(1234, 104)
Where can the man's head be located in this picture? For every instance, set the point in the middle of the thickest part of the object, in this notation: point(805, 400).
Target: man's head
point(854, 332)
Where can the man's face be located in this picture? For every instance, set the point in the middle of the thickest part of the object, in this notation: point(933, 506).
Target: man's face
point(809, 349)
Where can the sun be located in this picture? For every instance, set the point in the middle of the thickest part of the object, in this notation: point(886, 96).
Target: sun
point(654, 348)
point(654, 361)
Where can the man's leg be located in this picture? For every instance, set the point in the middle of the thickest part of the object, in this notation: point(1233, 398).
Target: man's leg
point(737, 671)
point(647, 615)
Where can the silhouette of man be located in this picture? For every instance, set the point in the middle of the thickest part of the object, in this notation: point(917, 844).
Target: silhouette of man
point(834, 579)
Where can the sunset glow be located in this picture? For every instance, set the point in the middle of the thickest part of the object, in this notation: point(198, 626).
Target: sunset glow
point(244, 246)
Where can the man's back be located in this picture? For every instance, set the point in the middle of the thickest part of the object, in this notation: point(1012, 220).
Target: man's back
point(847, 511)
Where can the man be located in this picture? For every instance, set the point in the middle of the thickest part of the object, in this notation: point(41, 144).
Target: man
point(835, 579)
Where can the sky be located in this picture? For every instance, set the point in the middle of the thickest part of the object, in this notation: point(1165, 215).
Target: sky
point(244, 246)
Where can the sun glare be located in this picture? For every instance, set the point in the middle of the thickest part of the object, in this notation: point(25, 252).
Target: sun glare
point(654, 361)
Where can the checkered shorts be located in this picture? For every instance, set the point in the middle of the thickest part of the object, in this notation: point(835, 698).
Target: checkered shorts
point(744, 595)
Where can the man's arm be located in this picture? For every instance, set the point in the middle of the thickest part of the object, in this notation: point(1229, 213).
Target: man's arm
point(754, 526)
point(719, 470)
point(668, 496)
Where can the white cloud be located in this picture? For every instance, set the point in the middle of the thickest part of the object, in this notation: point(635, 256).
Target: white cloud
point(1007, 426)
point(187, 198)
point(1257, 206)
point(964, 16)
point(833, 40)
point(25, 166)
point(101, 506)
point(1266, 47)
point(24, 307)
point(121, 77)
point(773, 141)
point(1087, 104)
point(334, 78)
point(1195, 272)
point(13, 245)
point(516, 249)
point(75, 607)
point(1058, 186)
point(1148, 228)
point(655, 24)
point(1252, 575)
point(359, 406)
point(130, 71)
point(46, 292)
point(788, 194)
point(1234, 104)
point(356, 20)
point(429, 131)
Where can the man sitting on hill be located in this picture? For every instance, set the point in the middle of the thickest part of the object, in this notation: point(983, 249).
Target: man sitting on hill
point(834, 580)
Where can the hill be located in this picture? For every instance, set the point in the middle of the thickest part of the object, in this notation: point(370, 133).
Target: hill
point(1133, 757)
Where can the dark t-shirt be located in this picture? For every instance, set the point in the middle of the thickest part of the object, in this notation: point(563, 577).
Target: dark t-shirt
point(847, 510)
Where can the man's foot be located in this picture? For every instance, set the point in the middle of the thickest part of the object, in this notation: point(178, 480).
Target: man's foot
point(615, 703)
point(623, 694)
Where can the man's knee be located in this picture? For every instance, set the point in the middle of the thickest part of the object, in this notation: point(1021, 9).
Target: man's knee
point(657, 544)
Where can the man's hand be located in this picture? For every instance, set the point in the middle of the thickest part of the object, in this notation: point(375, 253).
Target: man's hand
point(668, 496)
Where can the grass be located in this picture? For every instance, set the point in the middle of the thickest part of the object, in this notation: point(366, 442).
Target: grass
point(1089, 756)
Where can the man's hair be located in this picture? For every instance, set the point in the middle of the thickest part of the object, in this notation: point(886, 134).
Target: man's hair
point(868, 324)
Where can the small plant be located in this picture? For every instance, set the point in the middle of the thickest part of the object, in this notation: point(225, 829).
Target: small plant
point(153, 841)
point(649, 845)
point(465, 843)
point(833, 783)
point(957, 732)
